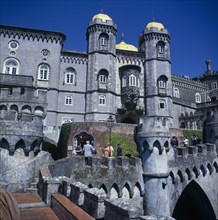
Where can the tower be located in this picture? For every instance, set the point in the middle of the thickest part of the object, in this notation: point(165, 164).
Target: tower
point(101, 80)
point(153, 137)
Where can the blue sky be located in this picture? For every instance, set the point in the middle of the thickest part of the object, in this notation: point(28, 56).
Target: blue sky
point(193, 25)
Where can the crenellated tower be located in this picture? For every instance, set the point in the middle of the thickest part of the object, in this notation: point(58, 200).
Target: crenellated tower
point(101, 80)
point(22, 110)
point(153, 136)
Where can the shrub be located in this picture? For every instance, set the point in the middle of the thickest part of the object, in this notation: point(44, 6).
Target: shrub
point(129, 146)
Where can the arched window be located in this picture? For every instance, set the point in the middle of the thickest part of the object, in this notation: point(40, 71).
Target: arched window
point(103, 42)
point(68, 100)
point(43, 72)
point(161, 84)
point(70, 76)
point(102, 79)
point(133, 80)
point(102, 100)
point(197, 98)
point(160, 49)
point(176, 92)
point(11, 66)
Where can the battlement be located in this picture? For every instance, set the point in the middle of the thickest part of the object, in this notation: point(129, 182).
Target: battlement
point(192, 151)
point(32, 34)
point(185, 81)
point(192, 162)
point(93, 164)
point(113, 174)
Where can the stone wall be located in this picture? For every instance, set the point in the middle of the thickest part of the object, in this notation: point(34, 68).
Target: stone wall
point(18, 171)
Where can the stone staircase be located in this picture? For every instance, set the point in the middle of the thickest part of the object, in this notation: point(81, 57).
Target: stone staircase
point(33, 187)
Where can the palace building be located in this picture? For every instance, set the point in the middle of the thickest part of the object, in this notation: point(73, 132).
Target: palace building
point(108, 79)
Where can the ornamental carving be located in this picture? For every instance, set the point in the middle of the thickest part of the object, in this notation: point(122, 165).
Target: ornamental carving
point(130, 97)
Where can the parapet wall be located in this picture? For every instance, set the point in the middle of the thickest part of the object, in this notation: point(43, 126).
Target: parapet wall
point(114, 173)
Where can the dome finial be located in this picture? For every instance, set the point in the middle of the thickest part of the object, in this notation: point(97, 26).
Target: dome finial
point(122, 37)
point(153, 19)
point(102, 11)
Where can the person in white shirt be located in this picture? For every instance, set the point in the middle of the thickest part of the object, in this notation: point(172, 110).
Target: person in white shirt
point(88, 149)
point(111, 150)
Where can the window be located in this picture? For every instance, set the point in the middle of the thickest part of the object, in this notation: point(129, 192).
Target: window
point(133, 81)
point(70, 76)
point(68, 100)
point(197, 98)
point(162, 84)
point(214, 86)
point(102, 78)
point(160, 49)
point(176, 92)
point(43, 72)
point(67, 120)
point(103, 42)
point(102, 100)
point(13, 45)
point(11, 66)
point(162, 105)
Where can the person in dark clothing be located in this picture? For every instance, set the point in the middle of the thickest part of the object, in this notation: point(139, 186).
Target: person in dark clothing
point(119, 150)
point(174, 142)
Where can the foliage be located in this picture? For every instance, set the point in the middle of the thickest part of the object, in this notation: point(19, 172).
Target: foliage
point(190, 133)
point(63, 140)
point(129, 146)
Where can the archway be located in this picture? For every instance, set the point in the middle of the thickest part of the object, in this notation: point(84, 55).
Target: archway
point(193, 204)
point(81, 138)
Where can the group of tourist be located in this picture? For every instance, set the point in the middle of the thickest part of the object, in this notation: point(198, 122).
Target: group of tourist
point(194, 141)
point(108, 150)
point(88, 150)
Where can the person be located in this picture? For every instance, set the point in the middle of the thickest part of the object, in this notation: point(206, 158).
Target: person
point(79, 150)
point(174, 142)
point(111, 150)
point(194, 140)
point(106, 150)
point(186, 142)
point(119, 150)
point(87, 149)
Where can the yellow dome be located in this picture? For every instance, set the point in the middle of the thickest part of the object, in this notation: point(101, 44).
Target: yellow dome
point(102, 16)
point(152, 24)
point(123, 46)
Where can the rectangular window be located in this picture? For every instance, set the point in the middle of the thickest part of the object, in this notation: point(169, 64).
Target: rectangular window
point(69, 78)
point(214, 85)
point(162, 84)
point(14, 71)
point(103, 78)
point(162, 105)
